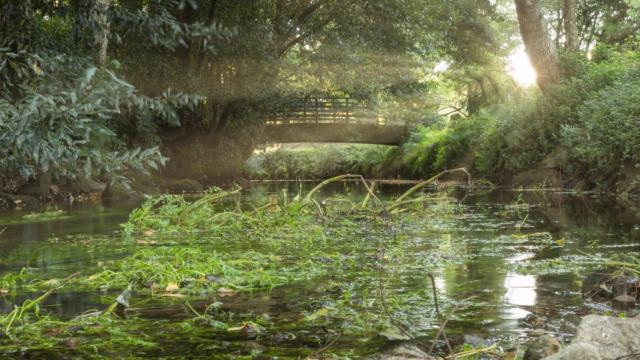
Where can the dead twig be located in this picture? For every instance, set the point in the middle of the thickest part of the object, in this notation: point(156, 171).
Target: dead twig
point(324, 348)
point(435, 294)
point(444, 325)
point(439, 315)
point(390, 316)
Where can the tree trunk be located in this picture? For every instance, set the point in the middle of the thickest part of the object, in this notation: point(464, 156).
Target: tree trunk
point(102, 36)
point(571, 25)
point(91, 28)
point(558, 31)
point(536, 40)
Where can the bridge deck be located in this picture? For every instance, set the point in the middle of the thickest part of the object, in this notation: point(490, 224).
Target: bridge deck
point(332, 119)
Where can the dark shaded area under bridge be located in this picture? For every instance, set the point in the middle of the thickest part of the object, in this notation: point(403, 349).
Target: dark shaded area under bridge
point(332, 119)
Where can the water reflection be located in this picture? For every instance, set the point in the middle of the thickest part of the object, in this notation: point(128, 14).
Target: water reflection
point(521, 292)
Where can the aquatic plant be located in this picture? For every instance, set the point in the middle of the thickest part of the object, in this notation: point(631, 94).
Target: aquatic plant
point(195, 253)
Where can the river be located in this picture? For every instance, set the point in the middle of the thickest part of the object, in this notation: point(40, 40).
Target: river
point(501, 263)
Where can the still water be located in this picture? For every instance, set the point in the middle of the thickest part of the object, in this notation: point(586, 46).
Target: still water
point(503, 258)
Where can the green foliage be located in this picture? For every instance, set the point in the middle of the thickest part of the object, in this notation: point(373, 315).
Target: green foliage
point(566, 118)
point(432, 149)
point(61, 117)
point(590, 120)
point(326, 161)
point(70, 131)
point(606, 135)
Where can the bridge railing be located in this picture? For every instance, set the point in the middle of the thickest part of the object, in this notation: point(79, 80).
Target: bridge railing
point(326, 110)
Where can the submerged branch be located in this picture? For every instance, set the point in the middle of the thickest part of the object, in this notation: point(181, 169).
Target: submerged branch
point(430, 181)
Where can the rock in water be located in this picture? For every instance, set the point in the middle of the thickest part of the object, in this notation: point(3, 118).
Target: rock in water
point(542, 347)
point(403, 352)
point(603, 338)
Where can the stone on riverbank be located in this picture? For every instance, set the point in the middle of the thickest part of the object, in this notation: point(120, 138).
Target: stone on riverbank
point(602, 338)
point(542, 347)
point(22, 202)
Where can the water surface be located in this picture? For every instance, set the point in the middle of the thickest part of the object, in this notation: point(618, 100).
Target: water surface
point(498, 257)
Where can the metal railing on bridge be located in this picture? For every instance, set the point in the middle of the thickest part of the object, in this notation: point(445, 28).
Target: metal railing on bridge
point(332, 119)
point(326, 110)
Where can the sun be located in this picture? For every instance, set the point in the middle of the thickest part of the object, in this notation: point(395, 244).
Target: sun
point(520, 68)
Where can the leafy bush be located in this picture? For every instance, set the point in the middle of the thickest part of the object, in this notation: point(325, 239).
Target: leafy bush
point(69, 130)
point(607, 133)
point(323, 162)
point(592, 117)
point(432, 149)
point(63, 118)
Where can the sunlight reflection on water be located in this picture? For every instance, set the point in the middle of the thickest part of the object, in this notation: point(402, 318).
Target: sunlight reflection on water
point(521, 292)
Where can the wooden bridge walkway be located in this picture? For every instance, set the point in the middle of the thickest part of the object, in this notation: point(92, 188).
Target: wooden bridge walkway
point(332, 119)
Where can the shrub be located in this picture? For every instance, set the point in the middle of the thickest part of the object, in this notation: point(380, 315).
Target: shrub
point(435, 148)
point(323, 162)
point(607, 132)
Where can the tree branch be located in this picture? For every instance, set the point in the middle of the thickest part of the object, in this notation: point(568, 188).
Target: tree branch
point(301, 20)
point(287, 46)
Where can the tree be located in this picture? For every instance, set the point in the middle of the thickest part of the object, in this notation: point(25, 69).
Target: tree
point(63, 118)
point(537, 42)
point(147, 73)
point(570, 25)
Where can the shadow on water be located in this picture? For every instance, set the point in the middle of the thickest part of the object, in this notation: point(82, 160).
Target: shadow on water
point(482, 248)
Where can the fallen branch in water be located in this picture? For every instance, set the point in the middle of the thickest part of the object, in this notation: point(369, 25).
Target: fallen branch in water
point(422, 184)
point(418, 200)
point(344, 177)
point(367, 198)
point(209, 199)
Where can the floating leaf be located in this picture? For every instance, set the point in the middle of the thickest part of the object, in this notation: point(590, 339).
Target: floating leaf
point(325, 311)
point(149, 232)
point(123, 298)
point(52, 282)
point(249, 329)
point(146, 242)
point(172, 287)
point(226, 292)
